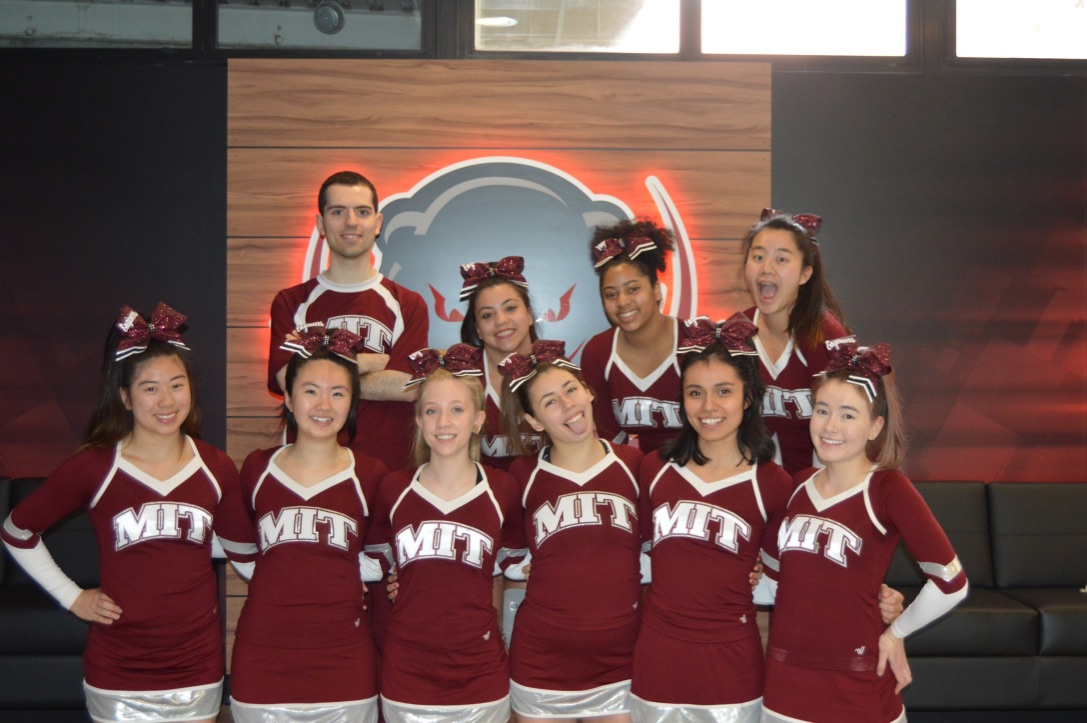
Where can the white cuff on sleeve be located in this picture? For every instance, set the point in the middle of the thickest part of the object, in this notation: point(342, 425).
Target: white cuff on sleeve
point(41, 566)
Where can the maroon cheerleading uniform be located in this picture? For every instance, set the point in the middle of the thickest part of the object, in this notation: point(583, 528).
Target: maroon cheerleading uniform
point(833, 555)
point(390, 319)
point(629, 405)
point(443, 646)
point(787, 403)
point(154, 545)
point(305, 607)
point(575, 629)
point(706, 538)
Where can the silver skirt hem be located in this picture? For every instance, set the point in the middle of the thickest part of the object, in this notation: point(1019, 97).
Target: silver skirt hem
point(536, 703)
point(494, 712)
point(646, 711)
point(355, 711)
point(179, 704)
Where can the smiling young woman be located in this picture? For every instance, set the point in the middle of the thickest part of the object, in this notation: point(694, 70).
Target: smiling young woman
point(632, 367)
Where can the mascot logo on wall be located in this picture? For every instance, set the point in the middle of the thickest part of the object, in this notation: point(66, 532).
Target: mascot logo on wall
point(488, 208)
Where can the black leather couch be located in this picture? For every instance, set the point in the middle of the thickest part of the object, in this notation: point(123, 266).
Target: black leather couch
point(1019, 641)
point(41, 645)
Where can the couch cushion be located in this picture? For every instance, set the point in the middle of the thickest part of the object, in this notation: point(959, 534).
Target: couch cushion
point(986, 623)
point(962, 510)
point(1062, 617)
point(1062, 682)
point(972, 684)
point(1039, 534)
point(41, 681)
point(33, 622)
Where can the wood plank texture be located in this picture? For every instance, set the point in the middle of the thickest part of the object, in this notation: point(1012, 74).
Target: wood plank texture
point(273, 192)
point(487, 104)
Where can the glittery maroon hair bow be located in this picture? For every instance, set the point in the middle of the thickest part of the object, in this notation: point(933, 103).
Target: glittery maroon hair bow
point(609, 248)
point(808, 221)
point(310, 338)
point(461, 360)
point(519, 368)
point(136, 332)
point(866, 364)
point(736, 334)
point(509, 268)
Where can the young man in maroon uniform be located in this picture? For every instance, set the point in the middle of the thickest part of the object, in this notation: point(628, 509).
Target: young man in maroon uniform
point(352, 294)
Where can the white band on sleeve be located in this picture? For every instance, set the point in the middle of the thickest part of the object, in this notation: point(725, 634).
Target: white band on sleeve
point(369, 569)
point(41, 566)
point(930, 605)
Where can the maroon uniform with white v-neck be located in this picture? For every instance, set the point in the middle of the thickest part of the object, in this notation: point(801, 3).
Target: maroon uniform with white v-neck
point(627, 403)
point(584, 536)
point(305, 610)
point(154, 544)
point(446, 552)
point(706, 538)
point(833, 555)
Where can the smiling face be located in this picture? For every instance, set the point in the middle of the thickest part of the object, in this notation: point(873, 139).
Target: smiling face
point(562, 406)
point(713, 400)
point(842, 424)
point(448, 414)
point(775, 271)
point(350, 222)
point(503, 320)
point(631, 299)
point(159, 397)
point(320, 399)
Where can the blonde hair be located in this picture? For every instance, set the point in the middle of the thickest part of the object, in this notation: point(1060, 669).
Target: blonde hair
point(420, 450)
point(888, 450)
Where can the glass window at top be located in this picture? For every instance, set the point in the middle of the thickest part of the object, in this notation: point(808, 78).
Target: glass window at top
point(320, 24)
point(597, 26)
point(1051, 29)
point(98, 24)
point(804, 27)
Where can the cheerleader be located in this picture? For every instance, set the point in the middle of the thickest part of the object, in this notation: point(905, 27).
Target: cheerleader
point(449, 526)
point(500, 322)
point(570, 656)
point(713, 495)
point(796, 312)
point(830, 657)
point(303, 649)
point(632, 367)
point(152, 491)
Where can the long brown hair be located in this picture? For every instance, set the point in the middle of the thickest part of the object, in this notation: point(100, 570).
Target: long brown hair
point(815, 297)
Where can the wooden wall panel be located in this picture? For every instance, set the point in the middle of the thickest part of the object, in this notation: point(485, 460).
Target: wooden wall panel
point(273, 192)
point(489, 104)
point(702, 128)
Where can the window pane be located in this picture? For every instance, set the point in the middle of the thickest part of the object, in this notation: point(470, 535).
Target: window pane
point(332, 24)
point(1021, 29)
point(601, 26)
point(99, 24)
point(804, 27)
